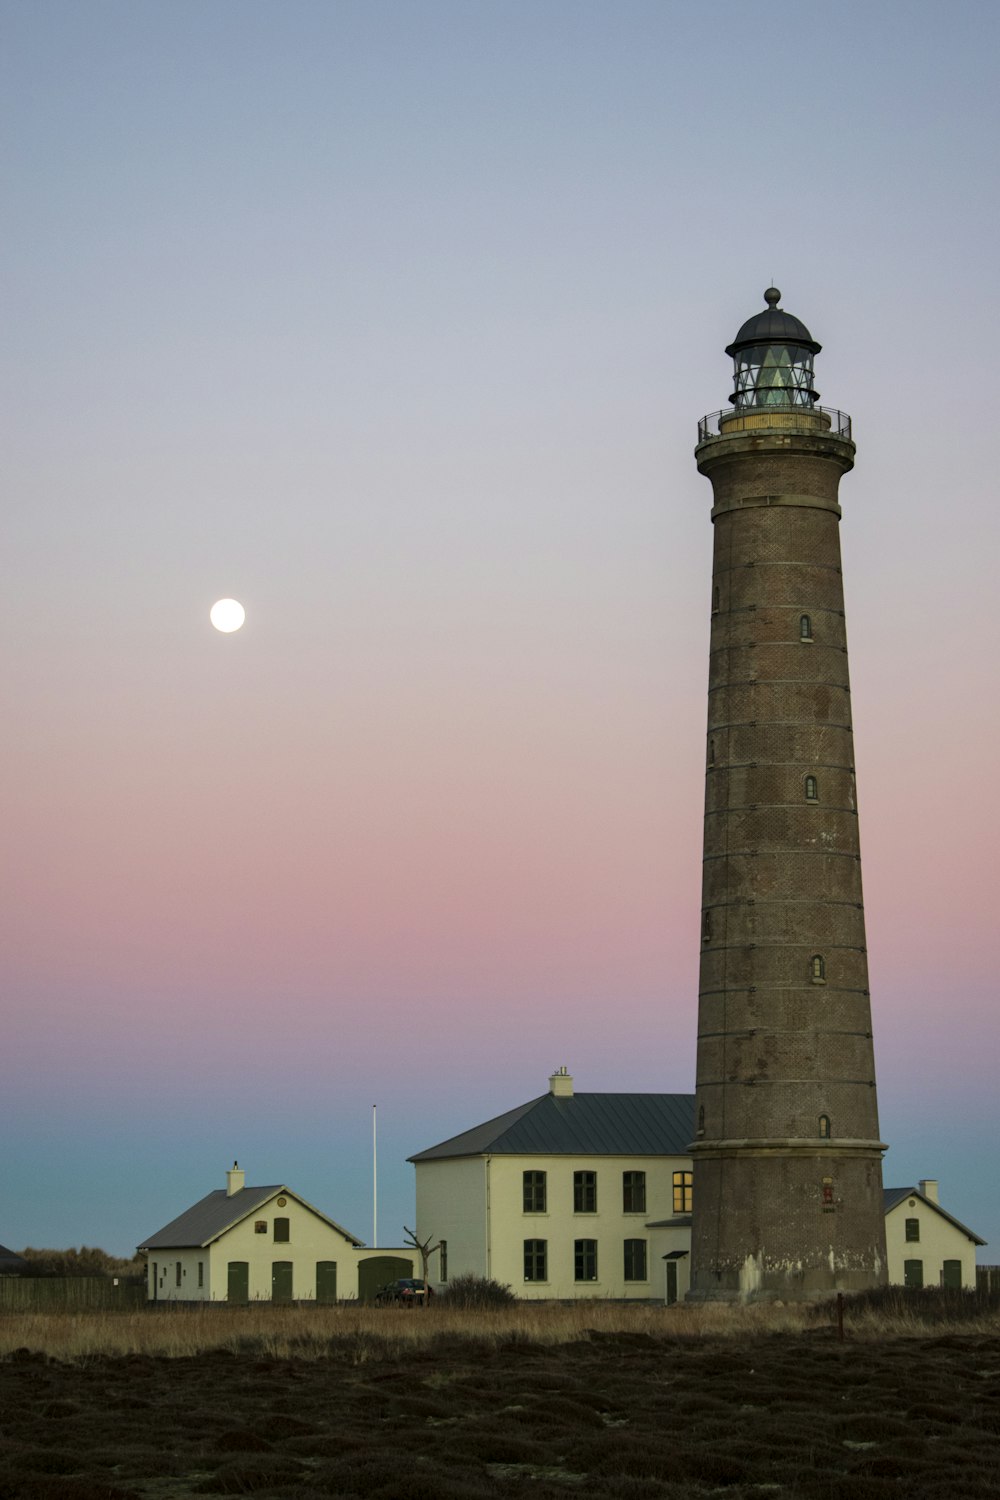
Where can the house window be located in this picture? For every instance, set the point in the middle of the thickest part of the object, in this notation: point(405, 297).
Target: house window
point(634, 1192)
point(585, 1260)
point(585, 1192)
point(805, 628)
point(534, 1192)
point(201, 1273)
point(281, 1230)
point(817, 969)
point(824, 1127)
point(951, 1275)
point(913, 1273)
point(443, 1260)
point(912, 1231)
point(260, 1226)
point(535, 1257)
point(178, 1273)
point(635, 1260)
point(812, 789)
point(682, 1192)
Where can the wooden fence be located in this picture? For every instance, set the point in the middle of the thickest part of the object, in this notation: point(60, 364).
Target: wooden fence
point(69, 1293)
point(988, 1278)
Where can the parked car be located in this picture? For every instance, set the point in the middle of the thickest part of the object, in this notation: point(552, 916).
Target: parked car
point(407, 1291)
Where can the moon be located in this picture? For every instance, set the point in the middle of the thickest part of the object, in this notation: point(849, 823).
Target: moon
point(227, 615)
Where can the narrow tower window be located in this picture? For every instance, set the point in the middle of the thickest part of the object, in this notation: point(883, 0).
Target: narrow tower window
point(812, 789)
point(817, 969)
point(706, 926)
point(824, 1127)
point(805, 628)
point(715, 600)
point(711, 752)
point(701, 1120)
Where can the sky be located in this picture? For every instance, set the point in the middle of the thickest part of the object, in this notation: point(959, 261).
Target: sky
point(394, 319)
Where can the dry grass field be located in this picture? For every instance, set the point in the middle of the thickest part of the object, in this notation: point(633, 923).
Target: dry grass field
point(588, 1401)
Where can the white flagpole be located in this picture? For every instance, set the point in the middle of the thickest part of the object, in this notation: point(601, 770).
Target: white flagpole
point(374, 1180)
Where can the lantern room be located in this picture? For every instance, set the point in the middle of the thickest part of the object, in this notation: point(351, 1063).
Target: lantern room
point(773, 359)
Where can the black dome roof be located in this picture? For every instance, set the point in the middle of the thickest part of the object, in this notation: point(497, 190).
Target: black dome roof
point(775, 326)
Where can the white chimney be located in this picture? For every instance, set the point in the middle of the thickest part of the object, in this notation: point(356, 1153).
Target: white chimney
point(928, 1186)
point(234, 1179)
point(561, 1084)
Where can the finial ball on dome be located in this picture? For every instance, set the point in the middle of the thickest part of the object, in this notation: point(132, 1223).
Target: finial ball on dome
point(772, 296)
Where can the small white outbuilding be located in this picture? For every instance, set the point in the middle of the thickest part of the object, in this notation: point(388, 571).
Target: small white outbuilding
point(263, 1244)
point(927, 1246)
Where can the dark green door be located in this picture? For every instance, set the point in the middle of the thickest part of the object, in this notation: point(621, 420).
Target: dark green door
point(951, 1274)
point(281, 1281)
point(238, 1289)
point(671, 1282)
point(913, 1273)
point(378, 1270)
point(326, 1281)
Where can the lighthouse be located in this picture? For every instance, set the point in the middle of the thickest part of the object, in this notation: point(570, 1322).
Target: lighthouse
point(787, 1200)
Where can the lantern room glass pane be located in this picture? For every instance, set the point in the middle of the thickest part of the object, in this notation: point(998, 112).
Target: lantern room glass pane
point(774, 375)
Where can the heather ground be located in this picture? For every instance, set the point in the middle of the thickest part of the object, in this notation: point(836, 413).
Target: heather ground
point(634, 1404)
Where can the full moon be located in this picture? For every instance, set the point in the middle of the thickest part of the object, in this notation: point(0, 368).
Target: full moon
point(227, 615)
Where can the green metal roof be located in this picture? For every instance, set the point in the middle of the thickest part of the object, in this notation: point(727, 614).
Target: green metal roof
point(580, 1125)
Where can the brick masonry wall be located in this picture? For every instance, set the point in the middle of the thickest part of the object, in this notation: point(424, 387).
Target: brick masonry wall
point(784, 1052)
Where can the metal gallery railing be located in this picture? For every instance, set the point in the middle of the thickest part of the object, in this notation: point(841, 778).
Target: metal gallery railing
point(758, 416)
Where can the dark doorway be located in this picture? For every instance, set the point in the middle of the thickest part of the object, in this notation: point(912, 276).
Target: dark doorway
point(238, 1285)
point(378, 1270)
point(281, 1281)
point(326, 1281)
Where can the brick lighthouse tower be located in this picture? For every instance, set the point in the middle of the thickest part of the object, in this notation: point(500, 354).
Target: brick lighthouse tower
point(787, 1198)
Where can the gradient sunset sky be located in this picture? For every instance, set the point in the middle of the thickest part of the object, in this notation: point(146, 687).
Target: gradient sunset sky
point(395, 321)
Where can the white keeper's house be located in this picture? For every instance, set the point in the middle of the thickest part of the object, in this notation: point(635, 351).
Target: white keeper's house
point(570, 1195)
point(263, 1244)
point(589, 1195)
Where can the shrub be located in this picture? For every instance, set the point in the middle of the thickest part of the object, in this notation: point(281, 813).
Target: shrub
point(927, 1305)
point(477, 1292)
point(87, 1261)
